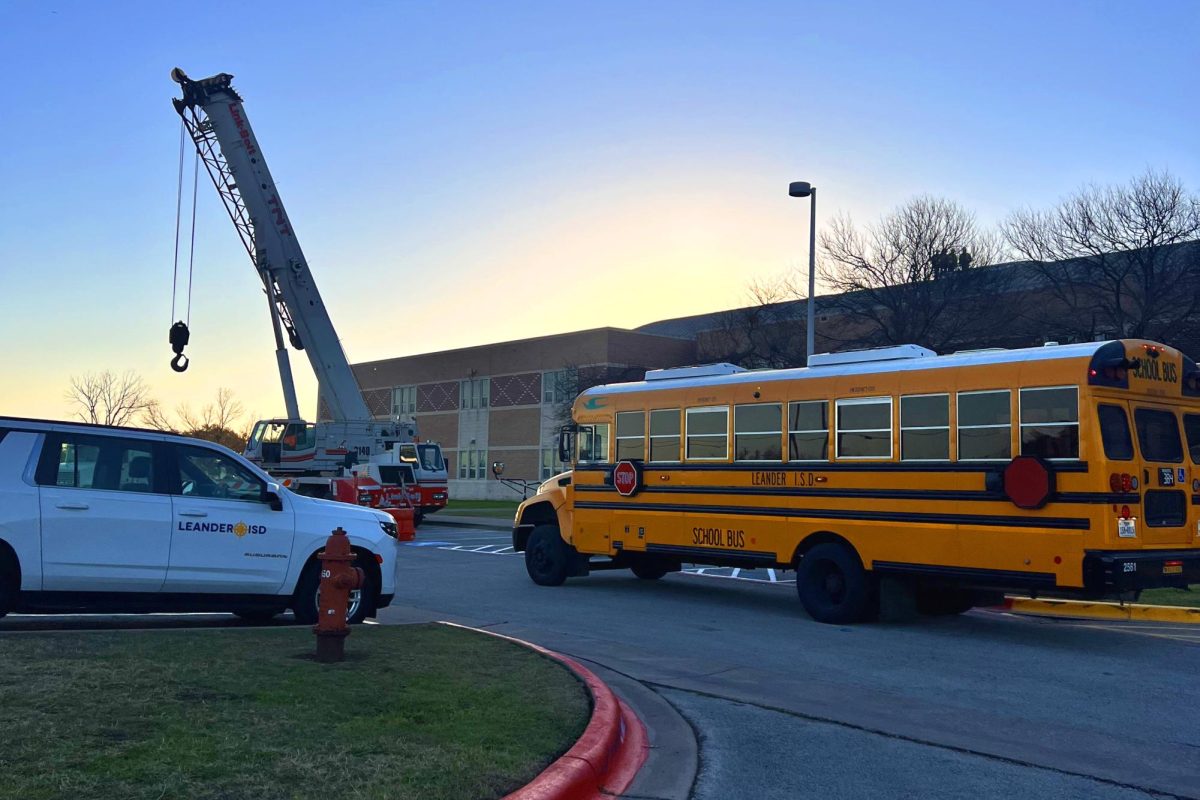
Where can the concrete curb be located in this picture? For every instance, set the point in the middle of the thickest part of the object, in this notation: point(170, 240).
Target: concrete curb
point(607, 756)
point(1092, 610)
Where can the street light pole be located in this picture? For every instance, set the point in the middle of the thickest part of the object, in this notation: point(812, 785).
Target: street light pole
point(805, 189)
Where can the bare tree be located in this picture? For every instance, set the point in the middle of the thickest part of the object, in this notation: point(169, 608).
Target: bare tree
point(770, 332)
point(1115, 258)
point(106, 398)
point(919, 275)
point(221, 421)
point(153, 416)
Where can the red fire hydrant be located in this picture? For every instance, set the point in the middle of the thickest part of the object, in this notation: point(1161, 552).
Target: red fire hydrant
point(338, 579)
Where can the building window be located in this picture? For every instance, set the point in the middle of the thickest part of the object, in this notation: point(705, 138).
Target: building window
point(404, 400)
point(708, 433)
point(925, 427)
point(808, 431)
point(1050, 422)
point(549, 463)
point(472, 464)
point(985, 426)
point(559, 386)
point(631, 435)
point(758, 432)
point(864, 428)
point(664, 434)
point(474, 393)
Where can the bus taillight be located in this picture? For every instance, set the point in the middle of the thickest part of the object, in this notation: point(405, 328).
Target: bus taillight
point(1121, 482)
point(1125, 512)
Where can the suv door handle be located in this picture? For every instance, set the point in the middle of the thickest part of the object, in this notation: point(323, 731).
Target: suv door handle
point(73, 506)
point(193, 513)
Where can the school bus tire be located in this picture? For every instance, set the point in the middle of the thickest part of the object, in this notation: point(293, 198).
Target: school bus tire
point(650, 569)
point(944, 601)
point(834, 587)
point(547, 557)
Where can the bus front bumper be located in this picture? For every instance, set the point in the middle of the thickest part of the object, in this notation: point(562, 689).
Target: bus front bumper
point(1116, 571)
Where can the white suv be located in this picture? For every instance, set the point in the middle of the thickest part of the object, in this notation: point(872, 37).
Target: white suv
point(104, 519)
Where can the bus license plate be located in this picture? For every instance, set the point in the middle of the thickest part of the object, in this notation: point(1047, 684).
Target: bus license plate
point(1172, 569)
point(1126, 529)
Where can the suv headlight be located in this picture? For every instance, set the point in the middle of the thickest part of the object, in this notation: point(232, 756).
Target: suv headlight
point(389, 528)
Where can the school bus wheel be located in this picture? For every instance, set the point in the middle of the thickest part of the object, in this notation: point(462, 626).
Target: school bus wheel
point(833, 586)
point(649, 568)
point(547, 557)
point(944, 601)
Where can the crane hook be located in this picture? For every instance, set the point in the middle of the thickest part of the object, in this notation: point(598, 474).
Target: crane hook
point(178, 337)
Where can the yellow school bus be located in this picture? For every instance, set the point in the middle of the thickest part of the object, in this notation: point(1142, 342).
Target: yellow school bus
point(1063, 470)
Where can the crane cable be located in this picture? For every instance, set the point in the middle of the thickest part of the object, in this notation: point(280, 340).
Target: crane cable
point(179, 333)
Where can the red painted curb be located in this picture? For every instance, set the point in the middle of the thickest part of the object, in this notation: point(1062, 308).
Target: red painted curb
point(607, 756)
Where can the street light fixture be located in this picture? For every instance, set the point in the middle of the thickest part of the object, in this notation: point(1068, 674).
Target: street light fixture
point(805, 189)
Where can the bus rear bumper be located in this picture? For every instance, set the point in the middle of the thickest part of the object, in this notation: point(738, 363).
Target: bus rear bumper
point(1115, 571)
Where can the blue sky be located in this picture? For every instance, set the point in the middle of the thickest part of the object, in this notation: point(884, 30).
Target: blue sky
point(460, 173)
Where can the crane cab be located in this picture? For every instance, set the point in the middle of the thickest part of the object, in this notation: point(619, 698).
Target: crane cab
point(277, 443)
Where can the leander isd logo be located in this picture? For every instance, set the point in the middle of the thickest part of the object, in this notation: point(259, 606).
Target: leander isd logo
point(627, 478)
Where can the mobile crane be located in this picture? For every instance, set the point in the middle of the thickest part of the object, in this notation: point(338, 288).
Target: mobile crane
point(214, 117)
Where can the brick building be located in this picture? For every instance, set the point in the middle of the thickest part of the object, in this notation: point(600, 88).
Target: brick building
point(506, 401)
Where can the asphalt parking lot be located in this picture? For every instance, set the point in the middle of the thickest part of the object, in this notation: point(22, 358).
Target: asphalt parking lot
point(986, 705)
point(983, 705)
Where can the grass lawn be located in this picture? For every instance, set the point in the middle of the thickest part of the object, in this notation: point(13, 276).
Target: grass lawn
point(414, 712)
point(1172, 597)
point(481, 508)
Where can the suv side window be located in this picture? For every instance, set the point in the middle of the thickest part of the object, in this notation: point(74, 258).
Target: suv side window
point(80, 461)
point(207, 473)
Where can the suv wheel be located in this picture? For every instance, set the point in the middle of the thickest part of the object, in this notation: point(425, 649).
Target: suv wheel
point(305, 602)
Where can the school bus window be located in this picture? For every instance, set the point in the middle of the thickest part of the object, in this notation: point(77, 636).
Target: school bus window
point(1158, 435)
point(1191, 426)
point(808, 430)
point(985, 426)
point(758, 432)
point(664, 434)
point(925, 427)
point(631, 435)
point(708, 433)
point(593, 443)
point(864, 428)
point(1050, 422)
point(1114, 432)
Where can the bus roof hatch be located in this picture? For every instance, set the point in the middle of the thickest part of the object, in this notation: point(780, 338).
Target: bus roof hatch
point(872, 354)
point(702, 371)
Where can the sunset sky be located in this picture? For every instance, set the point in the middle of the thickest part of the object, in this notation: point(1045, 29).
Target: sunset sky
point(463, 173)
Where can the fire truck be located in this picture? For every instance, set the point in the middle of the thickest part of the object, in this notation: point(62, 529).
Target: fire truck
point(215, 119)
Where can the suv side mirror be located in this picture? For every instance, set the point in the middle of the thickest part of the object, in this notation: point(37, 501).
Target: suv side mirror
point(271, 497)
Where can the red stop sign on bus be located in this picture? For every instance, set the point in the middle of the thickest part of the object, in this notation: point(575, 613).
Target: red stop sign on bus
point(627, 477)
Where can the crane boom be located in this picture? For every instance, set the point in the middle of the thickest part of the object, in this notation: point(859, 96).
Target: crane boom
point(216, 120)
